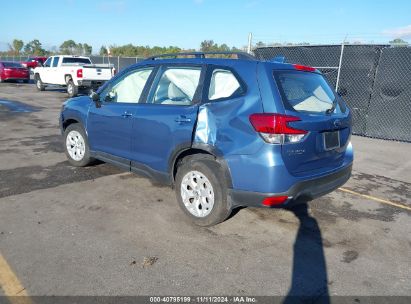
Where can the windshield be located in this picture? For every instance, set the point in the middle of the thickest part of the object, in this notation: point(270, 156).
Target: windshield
point(12, 65)
point(76, 60)
point(305, 92)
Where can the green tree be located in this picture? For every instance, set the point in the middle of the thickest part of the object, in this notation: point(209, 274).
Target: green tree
point(207, 46)
point(260, 44)
point(103, 51)
point(69, 47)
point(79, 50)
point(88, 49)
point(17, 46)
point(34, 47)
point(399, 42)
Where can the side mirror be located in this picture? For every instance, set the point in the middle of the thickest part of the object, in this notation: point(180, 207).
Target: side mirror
point(95, 98)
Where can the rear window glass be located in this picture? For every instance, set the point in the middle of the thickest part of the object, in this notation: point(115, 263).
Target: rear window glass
point(223, 85)
point(305, 92)
point(12, 65)
point(76, 60)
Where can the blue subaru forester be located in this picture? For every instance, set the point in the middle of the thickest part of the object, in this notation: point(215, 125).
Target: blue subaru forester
point(224, 132)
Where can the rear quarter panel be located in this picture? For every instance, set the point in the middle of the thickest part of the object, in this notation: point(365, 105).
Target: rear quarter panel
point(224, 126)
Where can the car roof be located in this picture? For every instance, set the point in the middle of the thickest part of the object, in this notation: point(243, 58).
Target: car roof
point(227, 59)
point(228, 62)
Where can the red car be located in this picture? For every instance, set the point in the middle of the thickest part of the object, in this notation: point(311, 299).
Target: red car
point(33, 62)
point(13, 71)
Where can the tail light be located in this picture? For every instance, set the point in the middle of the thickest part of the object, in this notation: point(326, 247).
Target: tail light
point(304, 68)
point(274, 200)
point(80, 73)
point(274, 128)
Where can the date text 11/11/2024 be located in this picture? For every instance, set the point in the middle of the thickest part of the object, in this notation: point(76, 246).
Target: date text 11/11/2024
point(203, 299)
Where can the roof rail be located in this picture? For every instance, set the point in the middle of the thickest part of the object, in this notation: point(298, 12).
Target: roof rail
point(240, 55)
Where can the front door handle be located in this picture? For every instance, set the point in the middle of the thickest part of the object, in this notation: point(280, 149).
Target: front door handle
point(182, 119)
point(126, 114)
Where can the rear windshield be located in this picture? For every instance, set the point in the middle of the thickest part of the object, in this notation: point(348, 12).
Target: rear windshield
point(12, 65)
point(76, 60)
point(304, 91)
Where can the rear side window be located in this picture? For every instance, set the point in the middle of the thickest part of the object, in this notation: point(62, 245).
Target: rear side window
point(224, 84)
point(305, 92)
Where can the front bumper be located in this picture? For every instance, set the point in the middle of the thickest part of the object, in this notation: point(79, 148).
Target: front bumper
point(302, 191)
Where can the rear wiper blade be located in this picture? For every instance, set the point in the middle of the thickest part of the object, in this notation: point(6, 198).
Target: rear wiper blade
point(330, 110)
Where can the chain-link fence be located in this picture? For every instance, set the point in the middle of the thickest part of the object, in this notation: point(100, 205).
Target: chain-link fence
point(119, 63)
point(373, 79)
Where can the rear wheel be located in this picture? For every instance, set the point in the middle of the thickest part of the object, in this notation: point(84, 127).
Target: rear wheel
point(201, 190)
point(76, 146)
point(39, 84)
point(72, 89)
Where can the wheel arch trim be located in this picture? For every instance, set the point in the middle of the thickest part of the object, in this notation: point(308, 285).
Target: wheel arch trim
point(199, 148)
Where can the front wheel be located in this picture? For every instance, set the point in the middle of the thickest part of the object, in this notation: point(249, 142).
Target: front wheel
point(201, 190)
point(39, 84)
point(72, 89)
point(76, 146)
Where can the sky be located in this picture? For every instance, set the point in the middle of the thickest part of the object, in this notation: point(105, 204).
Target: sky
point(185, 23)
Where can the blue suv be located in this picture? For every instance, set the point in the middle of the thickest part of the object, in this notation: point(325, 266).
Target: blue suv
point(224, 132)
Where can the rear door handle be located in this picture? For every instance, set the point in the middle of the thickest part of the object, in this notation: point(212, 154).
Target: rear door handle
point(182, 119)
point(126, 114)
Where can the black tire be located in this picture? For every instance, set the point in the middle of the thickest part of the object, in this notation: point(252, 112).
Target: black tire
point(86, 159)
point(39, 84)
point(72, 89)
point(26, 80)
point(209, 167)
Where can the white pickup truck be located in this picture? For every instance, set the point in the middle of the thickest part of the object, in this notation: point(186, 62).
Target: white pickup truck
point(74, 72)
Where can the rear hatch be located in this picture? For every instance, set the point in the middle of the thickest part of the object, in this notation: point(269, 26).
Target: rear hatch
point(307, 96)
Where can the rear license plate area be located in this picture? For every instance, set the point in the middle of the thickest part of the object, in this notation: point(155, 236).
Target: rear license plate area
point(331, 140)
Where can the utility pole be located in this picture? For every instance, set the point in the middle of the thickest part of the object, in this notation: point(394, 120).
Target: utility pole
point(337, 83)
point(250, 39)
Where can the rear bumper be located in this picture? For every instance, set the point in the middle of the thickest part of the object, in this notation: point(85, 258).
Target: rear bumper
point(90, 83)
point(16, 78)
point(301, 191)
point(13, 76)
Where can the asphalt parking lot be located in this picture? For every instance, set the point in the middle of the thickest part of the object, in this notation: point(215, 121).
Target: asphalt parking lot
point(101, 231)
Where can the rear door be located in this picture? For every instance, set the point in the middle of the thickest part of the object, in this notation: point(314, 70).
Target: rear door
point(308, 96)
point(166, 121)
point(110, 125)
